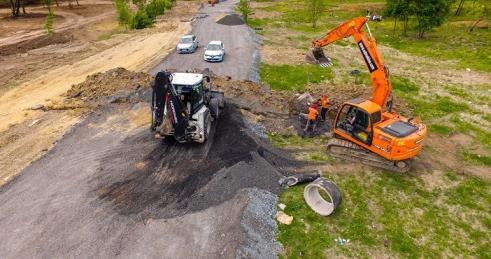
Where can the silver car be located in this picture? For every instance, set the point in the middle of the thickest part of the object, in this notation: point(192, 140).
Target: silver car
point(214, 52)
point(187, 44)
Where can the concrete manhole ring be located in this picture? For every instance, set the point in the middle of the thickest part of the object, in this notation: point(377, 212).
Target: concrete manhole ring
point(312, 195)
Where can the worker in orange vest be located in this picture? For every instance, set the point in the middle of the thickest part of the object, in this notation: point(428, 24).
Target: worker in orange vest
point(312, 117)
point(324, 105)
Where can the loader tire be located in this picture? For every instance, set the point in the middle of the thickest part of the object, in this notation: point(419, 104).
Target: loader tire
point(214, 108)
point(207, 127)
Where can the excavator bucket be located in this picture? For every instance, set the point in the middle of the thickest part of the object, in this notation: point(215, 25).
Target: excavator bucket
point(317, 56)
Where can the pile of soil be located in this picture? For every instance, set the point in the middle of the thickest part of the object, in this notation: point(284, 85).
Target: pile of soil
point(231, 20)
point(261, 105)
point(109, 83)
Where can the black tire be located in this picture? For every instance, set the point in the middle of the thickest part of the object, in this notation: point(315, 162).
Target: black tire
point(207, 126)
point(152, 126)
point(221, 102)
point(214, 109)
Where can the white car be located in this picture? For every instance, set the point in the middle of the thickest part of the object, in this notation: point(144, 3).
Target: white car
point(187, 44)
point(215, 51)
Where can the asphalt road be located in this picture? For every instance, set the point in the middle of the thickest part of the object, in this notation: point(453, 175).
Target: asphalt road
point(241, 46)
point(108, 191)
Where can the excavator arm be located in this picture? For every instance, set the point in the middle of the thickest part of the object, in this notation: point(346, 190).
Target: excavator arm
point(379, 74)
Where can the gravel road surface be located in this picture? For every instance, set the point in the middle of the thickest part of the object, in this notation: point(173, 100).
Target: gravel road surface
point(241, 46)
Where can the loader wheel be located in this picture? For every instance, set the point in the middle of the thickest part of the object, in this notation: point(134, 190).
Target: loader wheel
point(152, 108)
point(214, 108)
point(207, 127)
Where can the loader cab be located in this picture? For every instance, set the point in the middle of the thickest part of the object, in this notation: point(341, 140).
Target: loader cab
point(189, 88)
point(356, 118)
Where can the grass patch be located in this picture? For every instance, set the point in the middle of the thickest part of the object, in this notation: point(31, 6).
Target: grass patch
point(293, 78)
point(472, 193)
point(440, 129)
point(435, 107)
point(392, 214)
point(402, 84)
point(480, 135)
point(476, 158)
point(111, 33)
point(281, 141)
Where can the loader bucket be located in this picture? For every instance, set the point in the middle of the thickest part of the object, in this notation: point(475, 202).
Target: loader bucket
point(317, 56)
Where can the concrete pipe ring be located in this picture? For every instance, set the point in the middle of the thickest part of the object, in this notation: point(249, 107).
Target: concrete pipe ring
point(313, 197)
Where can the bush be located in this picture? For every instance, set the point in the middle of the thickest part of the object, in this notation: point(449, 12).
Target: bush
point(123, 12)
point(244, 9)
point(156, 7)
point(139, 20)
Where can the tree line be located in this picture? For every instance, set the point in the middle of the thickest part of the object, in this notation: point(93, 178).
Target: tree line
point(146, 14)
point(17, 5)
point(428, 14)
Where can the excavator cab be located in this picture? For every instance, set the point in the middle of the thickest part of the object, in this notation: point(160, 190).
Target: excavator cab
point(355, 121)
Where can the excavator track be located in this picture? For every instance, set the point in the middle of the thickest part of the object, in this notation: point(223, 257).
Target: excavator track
point(350, 151)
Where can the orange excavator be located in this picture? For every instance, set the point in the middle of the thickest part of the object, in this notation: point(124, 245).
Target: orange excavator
point(368, 131)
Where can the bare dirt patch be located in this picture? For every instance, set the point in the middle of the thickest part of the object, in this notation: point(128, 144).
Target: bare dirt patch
point(24, 23)
point(26, 134)
point(279, 55)
point(27, 141)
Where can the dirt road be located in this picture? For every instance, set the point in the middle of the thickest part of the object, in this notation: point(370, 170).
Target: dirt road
point(241, 46)
point(109, 189)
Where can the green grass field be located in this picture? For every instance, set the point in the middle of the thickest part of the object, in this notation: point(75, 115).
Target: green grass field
point(435, 213)
point(385, 214)
point(452, 41)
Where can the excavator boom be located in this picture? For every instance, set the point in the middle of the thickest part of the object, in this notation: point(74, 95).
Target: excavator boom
point(367, 131)
point(379, 74)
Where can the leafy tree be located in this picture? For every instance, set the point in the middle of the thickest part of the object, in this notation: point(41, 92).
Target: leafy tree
point(156, 7)
point(399, 9)
point(245, 9)
point(123, 12)
point(315, 8)
point(139, 20)
point(430, 14)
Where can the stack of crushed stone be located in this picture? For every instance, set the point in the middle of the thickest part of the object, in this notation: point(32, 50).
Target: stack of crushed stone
point(231, 20)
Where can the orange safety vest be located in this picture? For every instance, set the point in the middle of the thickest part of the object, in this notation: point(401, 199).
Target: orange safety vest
point(325, 103)
point(312, 113)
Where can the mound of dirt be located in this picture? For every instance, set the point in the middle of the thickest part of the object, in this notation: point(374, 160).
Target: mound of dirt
point(231, 20)
point(108, 83)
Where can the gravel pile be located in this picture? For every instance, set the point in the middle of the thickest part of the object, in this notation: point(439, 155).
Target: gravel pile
point(231, 20)
point(259, 226)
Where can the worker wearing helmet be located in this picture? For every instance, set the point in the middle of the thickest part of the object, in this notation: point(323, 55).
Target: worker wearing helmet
point(312, 117)
point(324, 105)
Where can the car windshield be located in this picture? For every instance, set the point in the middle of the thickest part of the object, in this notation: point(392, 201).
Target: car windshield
point(214, 47)
point(186, 40)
